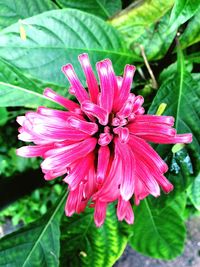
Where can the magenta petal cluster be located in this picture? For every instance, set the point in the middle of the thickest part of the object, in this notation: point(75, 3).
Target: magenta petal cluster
point(100, 143)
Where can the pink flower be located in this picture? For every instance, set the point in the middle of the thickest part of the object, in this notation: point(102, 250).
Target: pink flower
point(100, 143)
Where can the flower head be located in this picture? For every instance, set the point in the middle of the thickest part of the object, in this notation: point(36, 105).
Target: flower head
point(100, 143)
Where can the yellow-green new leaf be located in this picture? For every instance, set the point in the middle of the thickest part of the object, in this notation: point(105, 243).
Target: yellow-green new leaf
point(133, 23)
point(191, 35)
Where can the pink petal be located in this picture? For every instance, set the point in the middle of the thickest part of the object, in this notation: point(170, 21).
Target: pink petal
point(56, 134)
point(20, 120)
point(33, 151)
point(128, 168)
point(140, 191)
point(129, 217)
point(96, 111)
point(127, 107)
point(84, 126)
point(68, 104)
point(138, 101)
point(100, 213)
point(121, 208)
point(66, 155)
point(145, 128)
point(123, 134)
point(140, 111)
point(125, 88)
point(106, 77)
point(168, 120)
point(147, 179)
point(50, 175)
point(59, 113)
point(79, 171)
point(90, 185)
point(163, 182)
point(74, 201)
point(105, 139)
point(110, 188)
point(142, 148)
point(90, 77)
point(102, 165)
point(163, 139)
point(78, 88)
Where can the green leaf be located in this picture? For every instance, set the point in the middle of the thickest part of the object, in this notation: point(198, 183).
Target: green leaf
point(180, 174)
point(159, 233)
point(3, 116)
point(55, 38)
point(182, 11)
point(83, 244)
point(10, 74)
point(196, 77)
point(194, 192)
point(101, 8)
point(34, 245)
point(191, 35)
point(134, 22)
point(12, 96)
point(156, 39)
point(181, 94)
point(171, 69)
point(18, 90)
point(194, 57)
point(13, 10)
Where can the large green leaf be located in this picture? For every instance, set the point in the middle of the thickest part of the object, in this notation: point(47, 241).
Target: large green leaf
point(171, 69)
point(155, 40)
point(182, 11)
point(13, 10)
point(134, 22)
point(3, 116)
point(181, 93)
point(12, 96)
point(83, 244)
point(101, 8)
point(180, 174)
point(159, 233)
point(194, 192)
point(18, 90)
point(35, 245)
point(191, 35)
point(194, 57)
point(55, 38)
point(10, 74)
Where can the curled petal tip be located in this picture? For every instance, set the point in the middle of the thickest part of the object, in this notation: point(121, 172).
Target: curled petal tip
point(64, 68)
point(20, 120)
point(69, 213)
point(169, 188)
point(98, 223)
point(84, 59)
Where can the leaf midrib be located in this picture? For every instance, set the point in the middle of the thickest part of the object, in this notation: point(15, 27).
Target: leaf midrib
point(27, 91)
point(72, 48)
point(103, 8)
point(24, 90)
point(45, 228)
point(154, 224)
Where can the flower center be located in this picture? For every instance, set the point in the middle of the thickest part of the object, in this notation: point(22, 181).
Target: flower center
point(115, 126)
point(111, 124)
